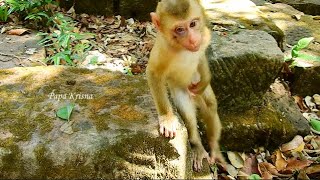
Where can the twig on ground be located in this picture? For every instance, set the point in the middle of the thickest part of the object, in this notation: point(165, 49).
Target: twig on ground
point(10, 55)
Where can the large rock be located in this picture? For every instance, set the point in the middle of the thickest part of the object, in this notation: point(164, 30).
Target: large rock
point(276, 121)
point(21, 51)
point(304, 81)
point(128, 8)
point(112, 133)
point(294, 24)
point(243, 66)
point(311, 7)
point(243, 14)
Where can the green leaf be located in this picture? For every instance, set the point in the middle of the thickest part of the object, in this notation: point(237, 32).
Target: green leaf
point(298, 63)
point(315, 124)
point(308, 57)
point(294, 51)
point(64, 41)
point(94, 60)
point(65, 112)
point(254, 177)
point(303, 43)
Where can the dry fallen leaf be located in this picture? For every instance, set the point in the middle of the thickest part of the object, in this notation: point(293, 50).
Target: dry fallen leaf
point(18, 32)
point(136, 69)
point(263, 169)
point(235, 159)
point(67, 127)
point(296, 165)
point(299, 148)
point(280, 162)
point(293, 144)
point(316, 18)
point(313, 169)
point(303, 175)
point(250, 165)
point(299, 101)
point(232, 170)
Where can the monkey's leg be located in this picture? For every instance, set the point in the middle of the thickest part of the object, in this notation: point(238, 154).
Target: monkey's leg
point(186, 109)
point(208, 110)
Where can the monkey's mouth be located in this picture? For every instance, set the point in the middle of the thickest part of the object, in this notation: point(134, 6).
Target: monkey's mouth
point(193, 48)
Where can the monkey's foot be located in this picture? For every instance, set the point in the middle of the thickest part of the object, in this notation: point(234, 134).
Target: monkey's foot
point(217, 157)
point(168, 125)
point(198, 155)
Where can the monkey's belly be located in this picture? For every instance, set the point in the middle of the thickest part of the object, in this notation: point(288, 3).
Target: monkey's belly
point(183, 76)
point(183, 69)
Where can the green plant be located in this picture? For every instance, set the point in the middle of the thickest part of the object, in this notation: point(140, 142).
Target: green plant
point(297, 56)
point(4, 13)
point(28, 6)
point(37, 11)
point(64, 44)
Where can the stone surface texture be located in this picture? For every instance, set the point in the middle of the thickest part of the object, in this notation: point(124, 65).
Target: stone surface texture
point(20, 51)
point(112, 132)
point(243, 14)
point(311, 7)
point(244, 65)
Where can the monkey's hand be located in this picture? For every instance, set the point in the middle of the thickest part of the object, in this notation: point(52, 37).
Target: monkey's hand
point(217, 157)
point(197, 88)
point(168, 125)
point(199, 153)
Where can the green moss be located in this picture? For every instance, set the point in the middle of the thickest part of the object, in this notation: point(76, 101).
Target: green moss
point(19, 124)
point(78, 70)
point(100, 121)
point(11, 162)
point(278, 126)
point(27, 79)
point(45, 123)
point(45, 164)
point(4, 73)
point(70, 169)
point(125, 155)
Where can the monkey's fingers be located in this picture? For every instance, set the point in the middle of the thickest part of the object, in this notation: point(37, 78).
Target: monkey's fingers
point(161, 129)
point(166, 132)
point(168, 126)
point(197, 160)
point(217, 159)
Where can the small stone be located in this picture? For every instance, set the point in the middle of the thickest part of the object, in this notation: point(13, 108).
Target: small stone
point(296, 17)
point(309, 102)
point(5, 135)
point(310, 116)
point(31, 51)
point(316, 98)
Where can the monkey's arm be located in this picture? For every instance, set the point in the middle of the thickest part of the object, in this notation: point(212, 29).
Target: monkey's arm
point(167, 119)
point(156, 82)
point(205, 77)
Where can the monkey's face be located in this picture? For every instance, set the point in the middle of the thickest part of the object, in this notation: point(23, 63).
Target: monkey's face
point(187, 34)
point(181, 23)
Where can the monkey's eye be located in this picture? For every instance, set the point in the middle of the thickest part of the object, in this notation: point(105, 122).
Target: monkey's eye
point(193, 23)
point(180, 30)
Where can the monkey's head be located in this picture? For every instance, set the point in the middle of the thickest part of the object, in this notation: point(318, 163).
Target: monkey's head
point(180, 22)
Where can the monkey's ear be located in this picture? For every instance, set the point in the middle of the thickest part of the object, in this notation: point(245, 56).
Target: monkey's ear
point(155, 20)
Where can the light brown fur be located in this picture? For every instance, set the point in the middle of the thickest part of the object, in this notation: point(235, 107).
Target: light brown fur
point(187, 75)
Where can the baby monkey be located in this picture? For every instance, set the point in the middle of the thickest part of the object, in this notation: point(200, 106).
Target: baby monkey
point(178, 60)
